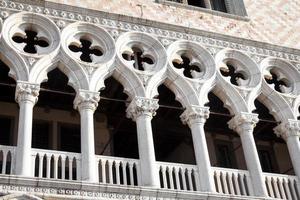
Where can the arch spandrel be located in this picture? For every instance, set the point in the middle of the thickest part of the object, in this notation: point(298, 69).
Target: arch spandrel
point(238, 80)
point(283, 104)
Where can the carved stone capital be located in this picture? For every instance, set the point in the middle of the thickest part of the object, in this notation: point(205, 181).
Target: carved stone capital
point(288, 129)
point(86, 100)
point(194, 114)
point(26, 91)
point(142, 106)
point(243, 121)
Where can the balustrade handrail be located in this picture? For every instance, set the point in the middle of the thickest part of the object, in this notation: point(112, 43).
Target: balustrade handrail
point(280, 175)
point(246, 172)
point(112, 158)
point(168, 164)
point(55, 152)
point(9, 148)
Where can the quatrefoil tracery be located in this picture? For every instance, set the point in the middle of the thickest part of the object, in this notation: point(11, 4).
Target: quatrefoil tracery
point(31, 40)
point(140, 60)
point(190, 68)
point(276, 79)
point(236, 76)
point(86, 50)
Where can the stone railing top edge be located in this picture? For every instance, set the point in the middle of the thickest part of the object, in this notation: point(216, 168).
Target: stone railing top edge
point(7, 147)
point(168, 164)
point(230, 170)
point(162, 30)
point(112, 158)
point(280, 175)
point(45, 151)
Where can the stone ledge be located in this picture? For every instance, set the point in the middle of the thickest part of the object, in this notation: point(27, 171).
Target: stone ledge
point(63, 189)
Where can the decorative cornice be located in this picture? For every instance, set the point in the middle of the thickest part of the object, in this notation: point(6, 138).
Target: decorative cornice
point(86, 100)
point(142, 106)
point(288, 129)
point(167, 33)
point(26, 91)
point(194, 114)
point(243, 121)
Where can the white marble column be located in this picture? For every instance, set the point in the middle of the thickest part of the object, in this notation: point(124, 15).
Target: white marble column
point(26, 95)
point(142, 110)
point(195, 117)
point(244, 124)
point(86, 102)
point(290, 132)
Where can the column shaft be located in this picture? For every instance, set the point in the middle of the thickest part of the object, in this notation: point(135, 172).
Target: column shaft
point(26, 95)
point(294, 151)
point(86, 102)
point(146, 151)
point(202, 157)
point(23, 156)
point(88, 161)
point(253, 163)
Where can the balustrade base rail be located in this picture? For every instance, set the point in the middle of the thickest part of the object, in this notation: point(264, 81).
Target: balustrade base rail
point(64, 166)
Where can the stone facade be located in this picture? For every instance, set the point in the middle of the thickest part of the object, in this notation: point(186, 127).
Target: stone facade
point(240, 58)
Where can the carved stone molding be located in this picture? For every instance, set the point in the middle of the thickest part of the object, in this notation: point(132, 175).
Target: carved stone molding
point(26, 91)
point(140, 106)
point(195, 114)
point(288, 129)
point(243, 121)
point(66, 14)
point(86, 100)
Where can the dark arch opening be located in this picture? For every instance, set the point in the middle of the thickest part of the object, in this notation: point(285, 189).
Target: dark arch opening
point(116, 134)
point(224, 144)
point(172, 140)
point(56, 124)
point(9, 107)
point(272, 150)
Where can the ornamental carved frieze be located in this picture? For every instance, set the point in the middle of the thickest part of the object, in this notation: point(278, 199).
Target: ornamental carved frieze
point(194, 114)
point(142, 106)
point(243, 121)
point(26, 91)
point(288, 129)
point(86, 100)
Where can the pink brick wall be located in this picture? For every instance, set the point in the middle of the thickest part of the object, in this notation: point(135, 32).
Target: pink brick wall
point(272, 21)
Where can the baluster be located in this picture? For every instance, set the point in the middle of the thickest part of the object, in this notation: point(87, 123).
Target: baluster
point(236, 183)
point(280, 183)
point(63, 167)
point(55, 166)
point(196, 178)
point(70, 169)
point(249, 185)
point(138, 173)
point(286, 188)
point(224, 181)
point(270, 187)
point(229, 178)
point(78, 169)
point(4, 162)
point(183, 179)
point(124, 165)
point(164, 178)
point(189, 172)
point(176, 172)
point(110, 172)
point(48, 165)
point(276, 189)
point(241, 178)
point(41, 161)
point(170, 172)
point(131, 173)
point(218, 181)
point(118, 172)
point(292, 187)
point(103, 168)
